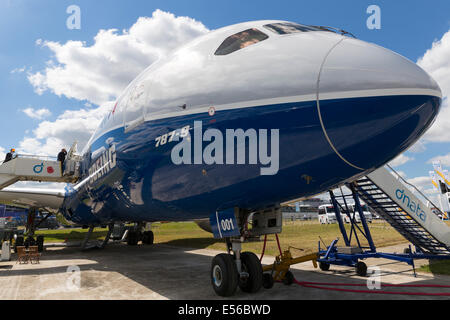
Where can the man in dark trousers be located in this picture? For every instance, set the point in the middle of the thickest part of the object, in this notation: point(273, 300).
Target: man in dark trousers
point(62, 157)
point(10, 155)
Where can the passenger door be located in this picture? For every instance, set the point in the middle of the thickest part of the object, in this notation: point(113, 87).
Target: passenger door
point(135, 108)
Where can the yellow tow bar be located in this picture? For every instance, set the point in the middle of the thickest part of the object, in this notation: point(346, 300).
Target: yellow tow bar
point(282, 263)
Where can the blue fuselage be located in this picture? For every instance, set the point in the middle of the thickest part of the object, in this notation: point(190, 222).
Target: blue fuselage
point(141, 182)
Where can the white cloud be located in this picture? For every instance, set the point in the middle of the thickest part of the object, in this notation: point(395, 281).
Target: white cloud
point(400, 160)
point(418, 147)
point(2, 153)
point(437, 63)
point(99, 73)
point(50, 136)
point(37, 114)
point(422, 183)
point(445, 159)
point(18, 70)
point(440, 130)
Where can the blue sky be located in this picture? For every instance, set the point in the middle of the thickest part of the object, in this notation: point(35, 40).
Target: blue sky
point(407, 27)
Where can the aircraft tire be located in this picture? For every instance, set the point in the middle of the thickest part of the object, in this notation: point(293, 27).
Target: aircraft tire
point(251, 265)
point(324, 266)
point(148, 237)
point(19, 242)
point(40, 243)
point(224, 275)
point(267, 281)
point(288, 278)
point(132, 238)
point(361, 269)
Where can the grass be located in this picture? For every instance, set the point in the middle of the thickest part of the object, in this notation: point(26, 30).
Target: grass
point(437, 267)
point(66, 235)
point(298, 234)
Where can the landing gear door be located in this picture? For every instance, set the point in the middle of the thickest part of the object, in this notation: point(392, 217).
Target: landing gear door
point(135, 108)
point(223, 224)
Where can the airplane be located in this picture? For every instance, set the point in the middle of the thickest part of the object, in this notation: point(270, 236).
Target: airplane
point(327, 107)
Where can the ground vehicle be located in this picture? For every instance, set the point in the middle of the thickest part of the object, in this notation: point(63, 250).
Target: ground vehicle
point(308, 212)
point(302, 212)
point(326, 214)
point(49, 223)
point(365, 209)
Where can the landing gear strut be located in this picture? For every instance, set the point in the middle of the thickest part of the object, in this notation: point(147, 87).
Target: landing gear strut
point(85, 245)
point(140, 232)
point(30, 228)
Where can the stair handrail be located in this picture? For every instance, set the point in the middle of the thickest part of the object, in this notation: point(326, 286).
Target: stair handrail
point(40, 157)
point(415, 188)
point(31, 156)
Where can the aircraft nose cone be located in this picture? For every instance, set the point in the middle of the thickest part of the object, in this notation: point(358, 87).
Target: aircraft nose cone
point(374, 103)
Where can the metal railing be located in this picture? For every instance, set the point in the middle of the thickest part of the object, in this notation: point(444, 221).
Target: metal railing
point(41, 157)
point(31, 156)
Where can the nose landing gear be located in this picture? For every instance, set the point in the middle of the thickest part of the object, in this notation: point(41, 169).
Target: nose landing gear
point(236, 268)
point(139, 232)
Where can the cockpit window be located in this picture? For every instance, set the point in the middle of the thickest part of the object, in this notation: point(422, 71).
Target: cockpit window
point(287, 27)
point(240, 40)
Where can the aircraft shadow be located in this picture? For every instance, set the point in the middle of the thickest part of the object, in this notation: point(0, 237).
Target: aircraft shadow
point(198, 243)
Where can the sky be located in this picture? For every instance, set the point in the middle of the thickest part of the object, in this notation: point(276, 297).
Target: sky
point(56, 83)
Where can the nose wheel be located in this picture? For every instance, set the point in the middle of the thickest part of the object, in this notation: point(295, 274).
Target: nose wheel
point(224, 275)
point(229, 271)
point(252, 277)
point(236, 268)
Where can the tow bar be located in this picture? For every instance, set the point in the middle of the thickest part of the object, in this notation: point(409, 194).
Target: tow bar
point(279, 270)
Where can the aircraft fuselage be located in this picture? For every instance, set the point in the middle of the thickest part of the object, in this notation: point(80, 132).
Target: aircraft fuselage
point(331, 107)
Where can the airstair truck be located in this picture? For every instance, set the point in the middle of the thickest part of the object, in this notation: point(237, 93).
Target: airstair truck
point(403, 206)
point(36, 168)
point(406, 208)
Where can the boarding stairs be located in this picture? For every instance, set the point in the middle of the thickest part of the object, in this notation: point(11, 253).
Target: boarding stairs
point(404, 207)
point(35, 168)
point(40, 168)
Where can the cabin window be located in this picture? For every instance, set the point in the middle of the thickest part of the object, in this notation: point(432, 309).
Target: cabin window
point(240, 40)
point(287, 28)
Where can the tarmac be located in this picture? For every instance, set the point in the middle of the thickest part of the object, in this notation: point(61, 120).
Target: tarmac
point(166, 272)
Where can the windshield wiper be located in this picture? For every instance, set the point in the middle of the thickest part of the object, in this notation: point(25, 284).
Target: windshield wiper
point(335, 30)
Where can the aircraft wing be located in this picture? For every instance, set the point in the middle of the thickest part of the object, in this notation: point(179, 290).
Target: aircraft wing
point(50, 199)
